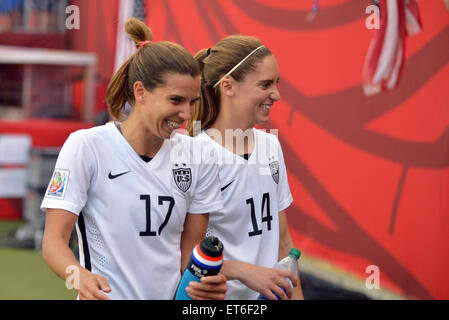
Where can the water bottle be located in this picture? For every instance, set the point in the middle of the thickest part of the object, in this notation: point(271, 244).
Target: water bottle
point(288, 263)
point(206, 260)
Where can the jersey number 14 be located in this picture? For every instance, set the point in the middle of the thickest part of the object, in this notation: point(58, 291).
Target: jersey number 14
point(265, 204)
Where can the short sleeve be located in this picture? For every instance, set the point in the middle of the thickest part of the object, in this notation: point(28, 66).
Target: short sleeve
point(285, 197)
point(207, 196)
point(72, 176)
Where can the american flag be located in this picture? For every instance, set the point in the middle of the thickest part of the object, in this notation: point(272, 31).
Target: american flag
point(385, 58)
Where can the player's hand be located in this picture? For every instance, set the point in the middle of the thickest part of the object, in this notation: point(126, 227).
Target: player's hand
point(269, 281)
point(209, 288)
point(92, 286)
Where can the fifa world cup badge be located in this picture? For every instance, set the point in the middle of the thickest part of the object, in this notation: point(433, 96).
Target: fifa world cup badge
point(58, 184)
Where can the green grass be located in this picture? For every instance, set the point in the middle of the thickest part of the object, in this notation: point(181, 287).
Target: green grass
point(8, 226)
point(24, 275)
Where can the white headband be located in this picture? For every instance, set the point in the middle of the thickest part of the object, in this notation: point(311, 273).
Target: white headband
point(238, 65)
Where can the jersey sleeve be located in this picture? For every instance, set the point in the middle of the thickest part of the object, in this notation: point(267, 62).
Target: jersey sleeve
point(285, 197)
point(207, 195)
point(71, 178)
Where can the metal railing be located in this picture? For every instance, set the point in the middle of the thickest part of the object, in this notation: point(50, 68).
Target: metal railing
point(33, 16)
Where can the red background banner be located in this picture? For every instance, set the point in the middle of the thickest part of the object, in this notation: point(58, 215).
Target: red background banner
point(369, 175)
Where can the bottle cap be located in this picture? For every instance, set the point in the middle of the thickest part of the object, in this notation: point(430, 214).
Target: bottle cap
point(211, 246)
point(295, 253)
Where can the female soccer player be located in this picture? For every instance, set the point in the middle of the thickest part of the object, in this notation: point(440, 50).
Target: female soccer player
point(139, 202)
point(239, 86)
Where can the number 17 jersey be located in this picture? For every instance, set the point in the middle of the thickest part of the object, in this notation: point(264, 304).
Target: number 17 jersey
point(131, 213)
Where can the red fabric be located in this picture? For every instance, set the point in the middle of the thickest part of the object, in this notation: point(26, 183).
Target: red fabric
point(44, 133)
point(369, 175)
point(48, 41)
point(97, 34)
point(11, 209)
point(376, 46)
point(386, 55)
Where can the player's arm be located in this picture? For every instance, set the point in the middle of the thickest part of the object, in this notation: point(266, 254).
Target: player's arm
point(266, 281)
point(194, 231)
point(212, 287)
point(285, 244)
point(58, 256)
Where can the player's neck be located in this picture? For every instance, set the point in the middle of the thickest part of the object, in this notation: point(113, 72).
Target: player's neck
point(142, 141)
point(227, 119)
point(236, 137)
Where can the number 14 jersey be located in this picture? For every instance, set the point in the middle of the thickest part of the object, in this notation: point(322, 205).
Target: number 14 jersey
point(254, 192)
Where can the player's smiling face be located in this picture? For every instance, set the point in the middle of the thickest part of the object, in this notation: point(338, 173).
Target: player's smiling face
point(167, 107)
point(256, 93)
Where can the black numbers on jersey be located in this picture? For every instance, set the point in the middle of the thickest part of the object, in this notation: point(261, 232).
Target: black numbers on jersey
point(148, 232)
point(267, 218)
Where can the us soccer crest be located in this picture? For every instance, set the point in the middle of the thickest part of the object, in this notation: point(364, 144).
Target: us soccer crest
point(182, 177)
point(274, 169)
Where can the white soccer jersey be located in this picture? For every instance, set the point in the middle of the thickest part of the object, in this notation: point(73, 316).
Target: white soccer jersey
point(254, 192)
point(131, 213)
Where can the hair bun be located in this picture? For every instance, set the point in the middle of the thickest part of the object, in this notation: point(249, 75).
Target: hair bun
point(138, 31)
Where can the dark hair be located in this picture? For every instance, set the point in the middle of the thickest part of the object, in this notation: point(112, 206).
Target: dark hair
point(149, 64)
point(214, 63)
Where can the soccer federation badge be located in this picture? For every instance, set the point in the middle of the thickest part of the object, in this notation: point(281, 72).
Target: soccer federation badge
point(274, 169)
point(182, 177)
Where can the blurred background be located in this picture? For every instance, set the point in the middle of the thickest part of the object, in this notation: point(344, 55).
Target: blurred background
point(363, 121)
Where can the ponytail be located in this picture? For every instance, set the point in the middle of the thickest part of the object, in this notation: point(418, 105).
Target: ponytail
point(149, 64)
point(116, 95)
point(207, 108)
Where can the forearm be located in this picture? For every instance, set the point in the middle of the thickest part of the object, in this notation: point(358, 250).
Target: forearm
point(297, 292)
point(234, 270)
point(59, 225)
point(285, 244)
point(58, 256)
point(285, 239)
point(195, 226)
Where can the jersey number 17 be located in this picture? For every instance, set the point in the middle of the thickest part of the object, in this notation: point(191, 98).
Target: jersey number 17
point(162, 199)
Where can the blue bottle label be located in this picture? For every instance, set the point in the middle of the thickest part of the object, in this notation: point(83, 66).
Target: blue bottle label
point(199, 265)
